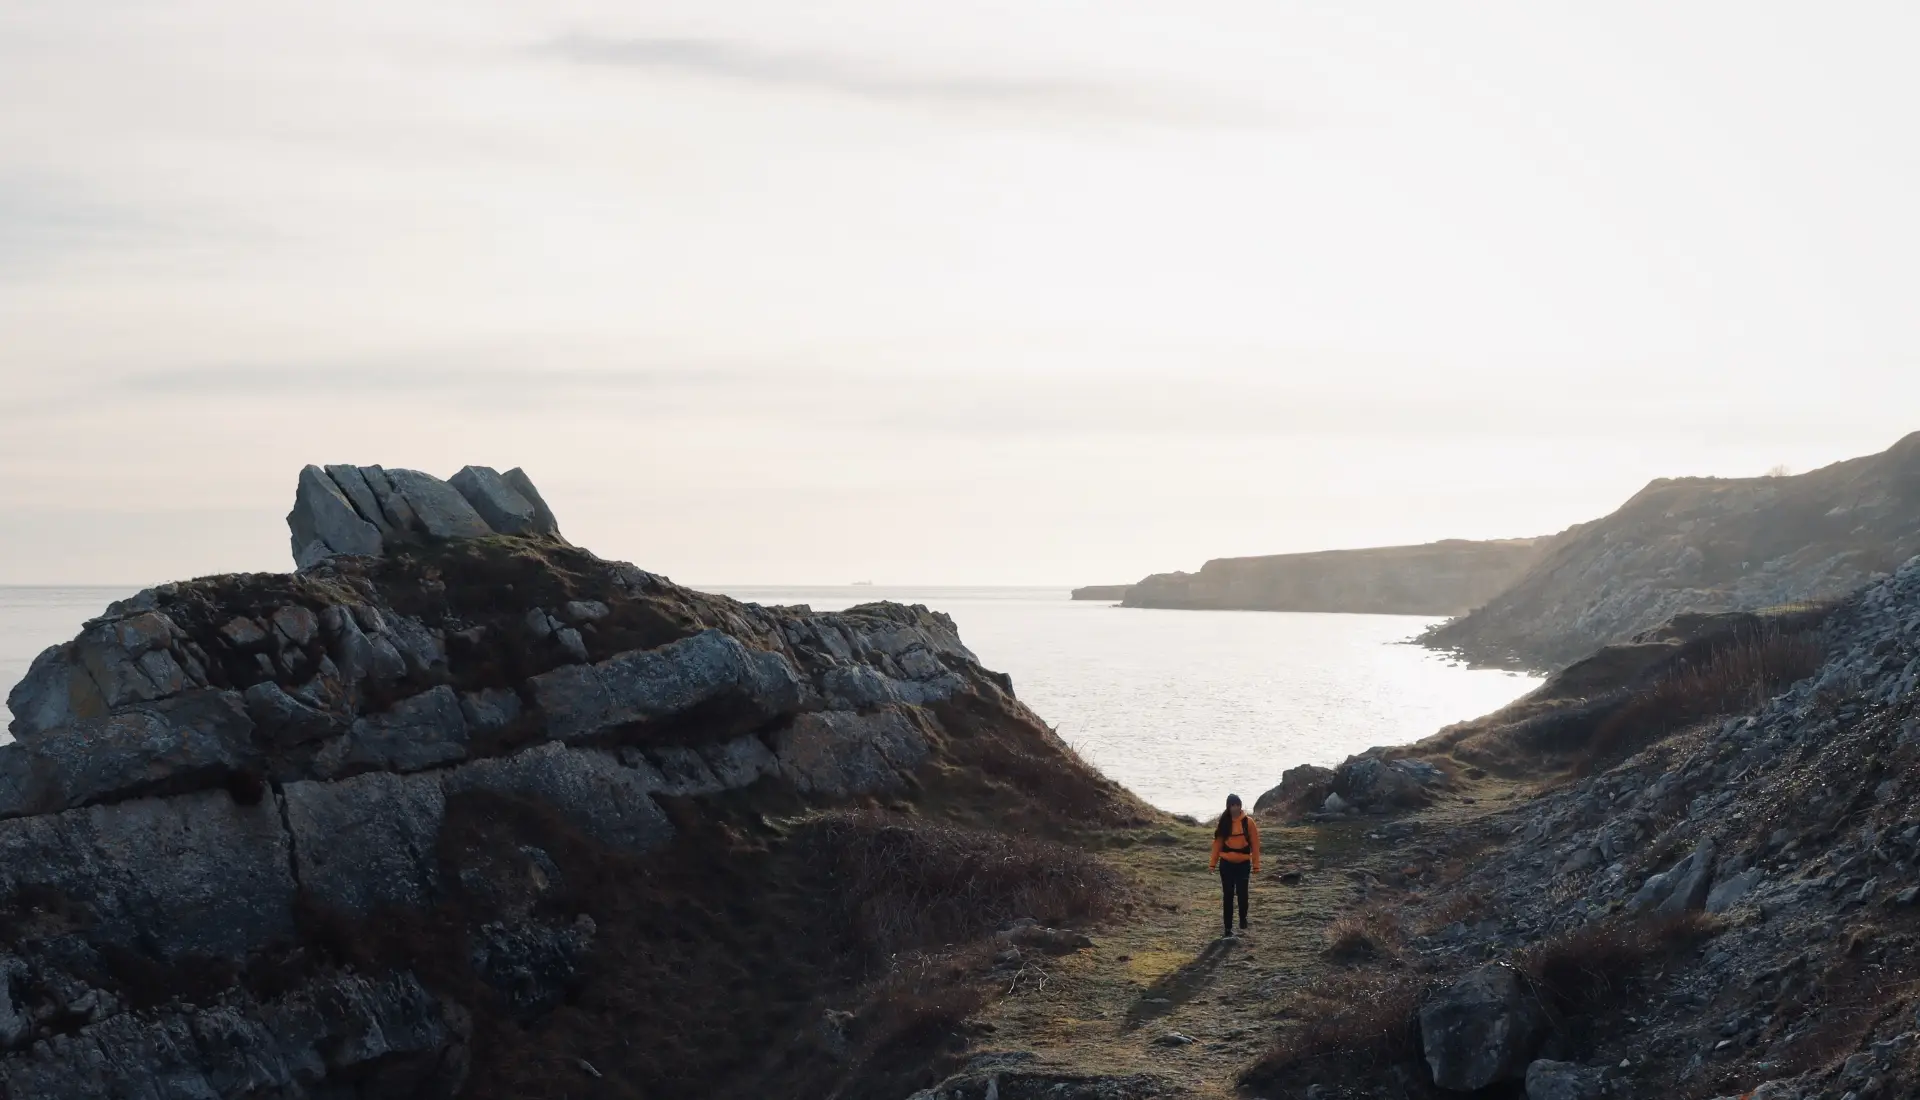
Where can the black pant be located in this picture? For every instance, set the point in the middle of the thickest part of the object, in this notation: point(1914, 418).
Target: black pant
point(1234, 877)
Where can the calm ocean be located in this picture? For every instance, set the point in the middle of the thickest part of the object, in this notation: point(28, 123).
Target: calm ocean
point(1181, 706)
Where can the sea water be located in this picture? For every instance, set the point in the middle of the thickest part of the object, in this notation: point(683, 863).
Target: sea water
point(1181, 706)
point(1185, 707)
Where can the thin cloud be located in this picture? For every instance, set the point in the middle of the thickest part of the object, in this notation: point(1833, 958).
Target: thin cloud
point(719, 59)
point(412, 377)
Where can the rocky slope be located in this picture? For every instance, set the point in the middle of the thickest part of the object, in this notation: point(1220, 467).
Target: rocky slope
point(1439, 578)
point(455, 812)
point(1701, 545)
point(1726, 904)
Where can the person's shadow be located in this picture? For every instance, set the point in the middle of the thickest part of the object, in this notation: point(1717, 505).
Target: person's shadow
point(1179, 987)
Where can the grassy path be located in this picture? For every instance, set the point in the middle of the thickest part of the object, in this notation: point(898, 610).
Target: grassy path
point(1113, 1008)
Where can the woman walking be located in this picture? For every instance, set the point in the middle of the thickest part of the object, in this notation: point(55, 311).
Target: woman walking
point(1236, 852)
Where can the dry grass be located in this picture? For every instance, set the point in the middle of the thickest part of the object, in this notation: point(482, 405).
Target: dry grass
point(905, 884)
point(1369, 934)
point(1053, 791)
point(1734, 678)
point(1351, 1028)
point(1456, 908)
point(1590, 966)
point(717, 959)
point(1625, 698)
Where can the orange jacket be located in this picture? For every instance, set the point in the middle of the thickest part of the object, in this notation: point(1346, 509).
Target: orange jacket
point(1244, 845)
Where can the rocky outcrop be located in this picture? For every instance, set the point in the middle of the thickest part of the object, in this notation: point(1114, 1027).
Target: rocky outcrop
point(1728, 909)
point(1438, 578)
point(1102, 592)
point(218, 783)
point(1701, 545)
point(365, 509)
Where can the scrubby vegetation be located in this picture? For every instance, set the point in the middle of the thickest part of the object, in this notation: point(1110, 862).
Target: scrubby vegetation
point(1354, 1028)
point(1602, 710)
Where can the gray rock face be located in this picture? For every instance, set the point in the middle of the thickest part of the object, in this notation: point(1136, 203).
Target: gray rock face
point(368, 841)
point(424, 731)
point(841, 753)
point(324, 523)
point(389, 1034)
point(1564, 1081)
point(498, 503)
point(281, 719)
point(732, 688)
point(191, 739)
point(544, 522)
point(343, 509)
point(188, 874)
point(1481, 1030)
point(603, 798)
point(438, 508)
point(136, 658)
point(1728, 893)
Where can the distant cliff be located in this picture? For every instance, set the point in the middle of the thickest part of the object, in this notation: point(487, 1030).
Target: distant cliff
point(1706, 545)
point(1438, 578)
point(1102, 592)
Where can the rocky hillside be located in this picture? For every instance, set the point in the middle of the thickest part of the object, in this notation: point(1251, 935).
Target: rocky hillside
point(457, 812)
point(1720, 896)
point(1438, 578)
point(1701, 545)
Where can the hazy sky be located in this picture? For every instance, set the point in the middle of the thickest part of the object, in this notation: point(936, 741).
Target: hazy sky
point(1016, 292)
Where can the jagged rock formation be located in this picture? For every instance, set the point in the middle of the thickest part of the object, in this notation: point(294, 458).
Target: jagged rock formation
point(1438, 578)
point(1102, 592)
point(364, 509)
point(1701, 545)
point(225, 794)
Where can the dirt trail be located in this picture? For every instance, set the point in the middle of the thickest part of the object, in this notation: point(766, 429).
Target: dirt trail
point(1116, 1008)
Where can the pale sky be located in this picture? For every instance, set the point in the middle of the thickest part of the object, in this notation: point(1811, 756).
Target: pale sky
point(1034, 292)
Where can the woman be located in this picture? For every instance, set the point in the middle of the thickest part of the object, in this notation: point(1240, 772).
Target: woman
point(1236, 852)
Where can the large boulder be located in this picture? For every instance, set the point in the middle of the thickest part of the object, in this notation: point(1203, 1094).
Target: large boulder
point(1481, 1030)
point(1374, 782)
point(363, 509)
point(1301, 789)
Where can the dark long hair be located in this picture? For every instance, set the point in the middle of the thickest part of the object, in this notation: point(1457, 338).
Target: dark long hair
point(1225, 828)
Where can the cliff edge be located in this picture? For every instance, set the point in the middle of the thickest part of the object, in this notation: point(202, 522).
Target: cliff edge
point(1437, 578)
point(1701, 545)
